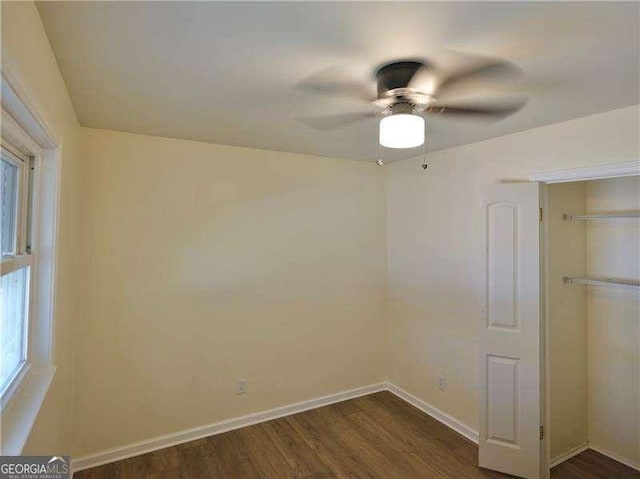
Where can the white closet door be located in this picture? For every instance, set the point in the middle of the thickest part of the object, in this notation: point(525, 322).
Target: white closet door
point(510, 391)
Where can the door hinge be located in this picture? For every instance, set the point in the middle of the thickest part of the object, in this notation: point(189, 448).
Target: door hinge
point(541, 433)
point(540, 215)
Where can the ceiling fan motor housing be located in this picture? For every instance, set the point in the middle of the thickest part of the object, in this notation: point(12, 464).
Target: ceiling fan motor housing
point(395, 76)
point(396, 94)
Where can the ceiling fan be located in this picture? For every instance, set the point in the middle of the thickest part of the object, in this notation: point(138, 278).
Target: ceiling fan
point(407, 91)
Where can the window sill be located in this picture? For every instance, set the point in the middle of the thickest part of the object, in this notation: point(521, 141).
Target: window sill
point(14, 384)
point(20, 412)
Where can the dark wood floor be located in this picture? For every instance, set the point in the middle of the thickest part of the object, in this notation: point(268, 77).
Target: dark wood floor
point(376, 436)
point(591, 464)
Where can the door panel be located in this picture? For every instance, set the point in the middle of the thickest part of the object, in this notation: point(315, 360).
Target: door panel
point(510, 399)
point(502, 391)
point(502, 265)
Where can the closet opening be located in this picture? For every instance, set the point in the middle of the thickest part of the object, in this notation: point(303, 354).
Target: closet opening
point(592, 327)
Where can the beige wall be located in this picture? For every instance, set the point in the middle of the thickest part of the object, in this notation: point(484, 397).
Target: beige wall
point(208, 263)
point(613, 250)
point(567, 320)
point(203, 264)
point(434, 260)
point(26, 50)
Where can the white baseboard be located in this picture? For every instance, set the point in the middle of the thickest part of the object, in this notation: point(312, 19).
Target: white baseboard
point(569, 454)
point(179, 437)
point(615, 457)
point(451, 422)
point(171, 439)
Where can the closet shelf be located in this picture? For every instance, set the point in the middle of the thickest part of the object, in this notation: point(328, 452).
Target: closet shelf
point(623, 283)
point(610, 216)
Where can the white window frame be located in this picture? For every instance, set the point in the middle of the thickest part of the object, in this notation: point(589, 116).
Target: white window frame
point(24, 255)
point(22, 126)
point(23, 163)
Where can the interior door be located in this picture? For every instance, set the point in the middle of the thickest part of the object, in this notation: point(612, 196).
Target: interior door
point(510, 338)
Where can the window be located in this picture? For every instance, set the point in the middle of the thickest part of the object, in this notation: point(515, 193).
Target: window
point(31, 153)
point(17, 263)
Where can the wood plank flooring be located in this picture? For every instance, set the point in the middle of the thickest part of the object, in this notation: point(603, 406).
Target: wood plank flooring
point(592, 464)
point(375, 436)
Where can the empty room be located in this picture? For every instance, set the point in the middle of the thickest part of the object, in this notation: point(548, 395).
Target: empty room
point(323, 239)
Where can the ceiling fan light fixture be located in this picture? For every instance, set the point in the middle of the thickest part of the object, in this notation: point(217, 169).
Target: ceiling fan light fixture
point(402, 130)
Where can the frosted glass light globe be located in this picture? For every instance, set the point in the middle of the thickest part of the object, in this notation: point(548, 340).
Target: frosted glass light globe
point(402, 131)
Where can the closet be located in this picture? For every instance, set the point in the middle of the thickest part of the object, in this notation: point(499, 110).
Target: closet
point(593, 319)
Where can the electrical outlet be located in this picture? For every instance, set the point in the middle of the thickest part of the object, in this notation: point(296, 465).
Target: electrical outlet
point(241, 386)
point(442, 381)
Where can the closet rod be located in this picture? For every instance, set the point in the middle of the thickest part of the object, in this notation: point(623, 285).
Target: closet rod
point(570, 217)
point(625, 283)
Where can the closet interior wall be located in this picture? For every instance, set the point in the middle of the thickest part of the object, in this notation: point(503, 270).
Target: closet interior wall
point(594, 333)
point(567, 330)
point(613, 318)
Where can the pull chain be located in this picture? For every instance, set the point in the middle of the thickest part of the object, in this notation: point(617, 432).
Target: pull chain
point(380, 162)
point(424, 146)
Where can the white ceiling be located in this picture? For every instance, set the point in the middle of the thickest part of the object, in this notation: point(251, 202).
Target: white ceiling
point(226, 72)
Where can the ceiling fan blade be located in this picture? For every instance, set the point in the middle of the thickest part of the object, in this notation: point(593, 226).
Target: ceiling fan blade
point(331, 81)
point(330, 122)
point(424, 80)
point(475, 93)
point(488, 70)
point(354, 90)
point(484, 112)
